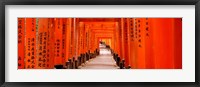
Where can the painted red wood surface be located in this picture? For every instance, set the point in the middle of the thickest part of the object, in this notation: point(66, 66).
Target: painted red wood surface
point(58, 59)
point(50, 44)
point(21, 42)
point(144, 43)
point(30, 43)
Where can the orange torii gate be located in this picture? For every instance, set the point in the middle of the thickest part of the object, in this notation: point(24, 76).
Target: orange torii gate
point(105, 36)
point(141, 43)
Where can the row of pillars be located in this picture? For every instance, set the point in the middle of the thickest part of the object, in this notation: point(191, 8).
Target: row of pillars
point(138, 43)
point(48, 43)
point(81, 61)
point(119, 61)
point(148, 43)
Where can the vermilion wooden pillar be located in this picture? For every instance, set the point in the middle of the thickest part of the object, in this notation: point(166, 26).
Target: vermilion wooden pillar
point(93, 47)
point(148, 29)
point(50, 44)
point(89, 39)
point(86, 38)
point(129, 21)
point(120, 38)
point(76, 37)
point(157, 43)
point(42, 39)
point(68, 38)
point(58, 61)
point(113, 37)
point(81, 38)
point(64, 40)
point(135, 44)
point(125, 33)
point(141, 43)
point(92, 42)
point(72, 40)
point(163, 40)
point(30, 43)
point(131, 42)
point(117, 39)
point(177, 43)
point(21, 42)
point(95, 42)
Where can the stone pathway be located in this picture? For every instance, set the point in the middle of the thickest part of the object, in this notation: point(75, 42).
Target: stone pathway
point(103, 61)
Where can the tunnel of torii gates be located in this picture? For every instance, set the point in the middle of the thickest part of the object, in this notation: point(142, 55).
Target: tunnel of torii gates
point(66, 43)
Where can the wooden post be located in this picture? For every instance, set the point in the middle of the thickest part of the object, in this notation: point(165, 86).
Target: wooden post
point(21, 42)
point(30, 43)
point(58, 43)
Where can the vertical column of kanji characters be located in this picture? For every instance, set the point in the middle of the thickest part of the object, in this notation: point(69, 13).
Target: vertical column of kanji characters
point(21, 42)
point(135, 44)
point(39, 43)
point(131, 28)
point(42, 42)
point(131, 41)
point(45, 36)
point(50, 44)
point(141, 43)
point(58, 43)
point(30, 43)
point(64, 39)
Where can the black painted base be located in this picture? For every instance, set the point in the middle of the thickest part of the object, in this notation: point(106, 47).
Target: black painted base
point(58, 66)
